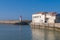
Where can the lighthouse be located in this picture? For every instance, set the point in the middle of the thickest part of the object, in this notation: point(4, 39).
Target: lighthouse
point(20, 18)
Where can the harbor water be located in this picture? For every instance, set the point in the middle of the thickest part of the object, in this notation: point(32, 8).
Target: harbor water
point(25, 32)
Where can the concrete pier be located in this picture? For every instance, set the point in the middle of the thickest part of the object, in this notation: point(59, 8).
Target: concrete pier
point(13, 21)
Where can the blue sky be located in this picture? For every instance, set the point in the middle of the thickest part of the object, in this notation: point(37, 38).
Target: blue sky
point(12, 9)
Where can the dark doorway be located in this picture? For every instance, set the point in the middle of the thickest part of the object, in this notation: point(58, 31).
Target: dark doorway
point(46, 20)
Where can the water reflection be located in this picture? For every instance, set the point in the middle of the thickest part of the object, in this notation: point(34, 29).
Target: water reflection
point(45, 34)
point(17, 32)
point(25, 33)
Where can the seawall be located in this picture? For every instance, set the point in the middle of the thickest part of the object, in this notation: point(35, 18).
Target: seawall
point(51, 26)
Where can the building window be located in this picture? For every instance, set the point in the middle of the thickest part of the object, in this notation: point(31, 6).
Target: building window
point(42, 20)
point(35, 16)
point(40, 16)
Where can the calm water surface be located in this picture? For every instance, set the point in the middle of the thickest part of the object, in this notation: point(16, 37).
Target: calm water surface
point(17, 32)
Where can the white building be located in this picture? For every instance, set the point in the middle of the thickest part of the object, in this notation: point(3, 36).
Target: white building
point(44, 17)
point(50, 17)
point(38, 18)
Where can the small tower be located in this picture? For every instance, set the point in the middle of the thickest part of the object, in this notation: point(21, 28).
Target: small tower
point(20, 18)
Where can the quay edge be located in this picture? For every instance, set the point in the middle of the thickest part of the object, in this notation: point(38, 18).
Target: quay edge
point(50, 26)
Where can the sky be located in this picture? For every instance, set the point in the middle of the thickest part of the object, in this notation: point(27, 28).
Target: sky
point(12, 9)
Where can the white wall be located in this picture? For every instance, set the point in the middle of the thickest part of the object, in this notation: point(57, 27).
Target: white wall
point(51, 18)
point(40, 18)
